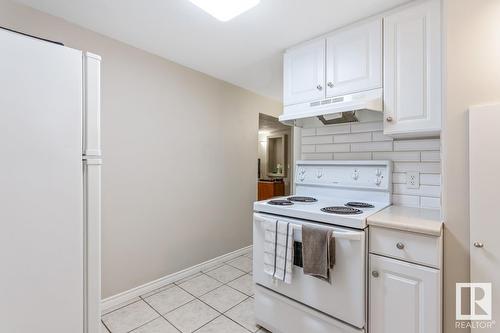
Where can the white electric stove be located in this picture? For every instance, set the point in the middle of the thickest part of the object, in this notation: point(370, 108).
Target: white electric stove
point(337, 195)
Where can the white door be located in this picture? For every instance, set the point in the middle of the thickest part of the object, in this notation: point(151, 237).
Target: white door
point(412, 70)
point(354, 59)
point(41, 238)
point(403, 297)
point(484, 227)
point(304, 73)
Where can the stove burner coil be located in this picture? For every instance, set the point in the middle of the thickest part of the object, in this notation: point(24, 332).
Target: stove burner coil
point(280, 202)
point(302, 199)
point(341, 210)
point(359, 204)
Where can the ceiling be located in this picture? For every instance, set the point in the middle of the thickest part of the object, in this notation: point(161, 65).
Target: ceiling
point(269, 123)
point(246, 51)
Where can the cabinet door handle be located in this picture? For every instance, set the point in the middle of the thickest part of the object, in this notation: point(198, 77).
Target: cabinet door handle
point(319, 87)
point(375, 274)
point(400, 245)
point(478, 244)
point(330, 84)
point(389, 119)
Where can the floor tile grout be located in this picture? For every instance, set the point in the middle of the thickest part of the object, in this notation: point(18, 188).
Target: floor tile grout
point(162, 316)
point(121, 307)
point(195, 298)
point(105, 326)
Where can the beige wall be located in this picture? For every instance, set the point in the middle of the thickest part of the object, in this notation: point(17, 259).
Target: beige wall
point(180, 156)
point(472, 33)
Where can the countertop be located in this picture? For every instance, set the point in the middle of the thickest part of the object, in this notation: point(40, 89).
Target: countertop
point(419, 220)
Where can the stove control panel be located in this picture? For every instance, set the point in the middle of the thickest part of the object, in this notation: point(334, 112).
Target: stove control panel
point(345, 174)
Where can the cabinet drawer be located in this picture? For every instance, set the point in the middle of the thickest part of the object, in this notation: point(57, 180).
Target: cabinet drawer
point(412, 247)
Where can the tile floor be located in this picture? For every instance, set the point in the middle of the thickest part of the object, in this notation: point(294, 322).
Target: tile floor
point(219, 300)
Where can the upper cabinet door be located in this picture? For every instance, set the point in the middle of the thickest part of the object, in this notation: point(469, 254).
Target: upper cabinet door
point(304, 73)
point(354, 59)
point(403, 297)
point(412, 70)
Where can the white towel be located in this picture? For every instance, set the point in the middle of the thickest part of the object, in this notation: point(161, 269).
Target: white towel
point(278, 249)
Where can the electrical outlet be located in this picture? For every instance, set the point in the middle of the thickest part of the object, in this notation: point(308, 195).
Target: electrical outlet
point(413, 180)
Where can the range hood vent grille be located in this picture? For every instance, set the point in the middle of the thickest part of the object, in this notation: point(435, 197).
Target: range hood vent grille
point(327, 101)
point(342, 106)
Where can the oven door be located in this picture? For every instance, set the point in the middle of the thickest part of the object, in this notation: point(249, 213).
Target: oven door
point(345, 297)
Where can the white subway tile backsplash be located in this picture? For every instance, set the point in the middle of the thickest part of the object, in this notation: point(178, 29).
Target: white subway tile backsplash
point(365, 141)
point(432, 203)
point(308, 148)
point(405, 167)
point(352, 156)
point(334, 129)
point(423, 190)
point(367, 127)
point(372, 146)
point(379, 136)
point(347, 138)
point(317, 156)
point(312, 140)
point(333, 148)
point(431, 156)
point(406, 200)
point(430, 179)
point(407, 145)
point(433, 167)
point(398, 178)
point(308, 131)
point(404, 156)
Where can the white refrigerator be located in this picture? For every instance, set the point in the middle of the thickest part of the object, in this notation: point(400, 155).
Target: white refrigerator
point(49, 187)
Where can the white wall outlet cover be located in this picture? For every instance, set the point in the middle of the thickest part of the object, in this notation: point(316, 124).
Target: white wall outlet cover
point(413, 179)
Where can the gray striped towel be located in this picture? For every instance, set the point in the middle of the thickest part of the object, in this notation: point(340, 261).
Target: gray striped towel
point(278, 249)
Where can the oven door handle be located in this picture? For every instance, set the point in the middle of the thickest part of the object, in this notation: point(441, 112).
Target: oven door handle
point(347, 235)
point(355, 236)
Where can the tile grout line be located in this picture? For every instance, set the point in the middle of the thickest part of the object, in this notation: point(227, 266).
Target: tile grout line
point(105, 326)
point(198, 274)
point(121, 307)
point(197, 298)
point(162, 316)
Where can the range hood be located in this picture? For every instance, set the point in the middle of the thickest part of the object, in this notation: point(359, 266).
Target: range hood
point(335, 107)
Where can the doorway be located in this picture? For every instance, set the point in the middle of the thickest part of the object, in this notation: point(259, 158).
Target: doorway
point(275, 157)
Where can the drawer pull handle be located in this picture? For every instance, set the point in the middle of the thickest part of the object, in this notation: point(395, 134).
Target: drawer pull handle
point(375, 274)
point(478, 244)
point(400, 245)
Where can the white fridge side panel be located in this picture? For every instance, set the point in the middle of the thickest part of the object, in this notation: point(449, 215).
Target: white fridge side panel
point(92, 114)
point(41, 242)
point(92, 190)
point(92, 217)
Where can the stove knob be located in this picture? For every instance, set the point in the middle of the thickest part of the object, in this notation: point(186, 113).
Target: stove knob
point(378, 173)
point(355, 175)
point(319, 173)
point(378, 181)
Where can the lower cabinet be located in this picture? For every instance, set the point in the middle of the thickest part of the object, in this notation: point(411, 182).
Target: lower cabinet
point(404, 297)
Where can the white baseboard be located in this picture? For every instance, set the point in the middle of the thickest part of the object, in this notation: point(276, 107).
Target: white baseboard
point(134, 293)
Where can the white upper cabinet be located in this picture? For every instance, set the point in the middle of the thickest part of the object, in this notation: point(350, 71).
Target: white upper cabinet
point(354, 59)
point(403, 297)
point(304, 73)
point(412, 70)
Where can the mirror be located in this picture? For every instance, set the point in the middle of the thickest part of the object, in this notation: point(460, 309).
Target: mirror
point(277, 151)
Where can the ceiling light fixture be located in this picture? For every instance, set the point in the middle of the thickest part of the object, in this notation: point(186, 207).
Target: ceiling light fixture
point(224, 10)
